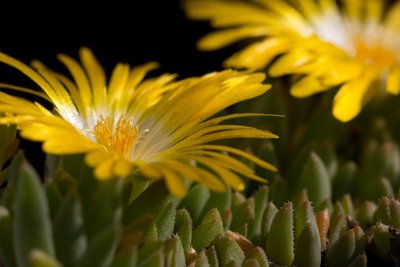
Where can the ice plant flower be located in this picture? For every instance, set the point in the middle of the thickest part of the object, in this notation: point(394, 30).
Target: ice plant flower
point(159, 127)
point(354, 44)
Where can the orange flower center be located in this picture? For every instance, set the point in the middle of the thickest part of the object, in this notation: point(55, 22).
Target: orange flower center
point(375, 54)
point(119, 137)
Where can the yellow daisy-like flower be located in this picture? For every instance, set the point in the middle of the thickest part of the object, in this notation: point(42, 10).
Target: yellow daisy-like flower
point(157, 126)
point(355, 44)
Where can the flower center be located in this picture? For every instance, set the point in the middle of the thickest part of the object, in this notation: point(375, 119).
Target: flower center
point(117, 136)
point(375, 54)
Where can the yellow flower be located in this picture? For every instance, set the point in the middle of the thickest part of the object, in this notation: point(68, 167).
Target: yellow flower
point(159, 127)
point(355, 44)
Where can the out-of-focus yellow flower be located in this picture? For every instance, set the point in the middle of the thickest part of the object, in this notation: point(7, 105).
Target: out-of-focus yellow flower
point(355, 44)
point(159, 127)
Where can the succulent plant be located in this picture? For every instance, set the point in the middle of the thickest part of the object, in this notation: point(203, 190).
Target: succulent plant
point(328, 217)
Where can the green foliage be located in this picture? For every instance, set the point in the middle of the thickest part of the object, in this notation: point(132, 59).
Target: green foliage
point(332, 203)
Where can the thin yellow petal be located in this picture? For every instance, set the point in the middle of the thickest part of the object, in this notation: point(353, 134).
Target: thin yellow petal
point(149, 171)
point(96, 76)
point(174, 183)
point(352, 96)
point(259, 54)
point(122, 167)
point(224, 38)
point(393, 80)
point(104, 169)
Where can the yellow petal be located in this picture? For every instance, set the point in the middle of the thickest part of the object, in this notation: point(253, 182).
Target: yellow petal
point(150, 171)
point(289, 62)
point(351, 97)
point(96, 76)
point(211, 181)
point(93, 157)
point(223, 38)
point(60, 147)
point(174, 183)
point(104, 169)
point(393, 80)
point(259, 54)
point(122, 167)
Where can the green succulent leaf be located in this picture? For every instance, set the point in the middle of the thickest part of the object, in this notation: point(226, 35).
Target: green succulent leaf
point(308, 247)
point(101, 249)
point(6, 242)
point(258, 254)
point(39, 258)
point(280, 242)
point(228, 251)
point(31, 223)
point(195, 201)
point(165, 220)
point(183, 228)
point(69, 236)
point(260, 203)
point(315, 179)
point(128, 257)
point(341, 252)
point(149, 202)
point(268, 216)
point(208, 230)
point(175, 256)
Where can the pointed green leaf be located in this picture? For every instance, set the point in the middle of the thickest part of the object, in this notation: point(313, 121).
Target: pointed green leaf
point(212, 256)
point(305, 215)
point(338, 223)
point(382, 213)
point(149, 202)
point(201, 260)
point(151, 254)
point(365, 213)
point(315, 179)
point(101, 249)
point(251, 263)
point(258, 254)
point(41, 259)
point(344, 179)
point(382, 237)
point(228, 250)
point(220, 201)
point(308, 248)
point(395, 213)
point(279, 191)
point(268, 216)
point(360, 261)
point(105, 210)
point(54, 198)
point(347, 205)
point(69, 237)
point(360, 240)
point(6, 242)
point(208, 230)
point(127, 257)
point(12, 174)
point(260, 203)
point(340, 253)
point(280, 242)
point(183, 227)
point(174, 252)
point(242, 214)
point(195, 200)
point(165, 221)
point(31, 224)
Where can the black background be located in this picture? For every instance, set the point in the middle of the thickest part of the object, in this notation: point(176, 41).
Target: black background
point(134, 32)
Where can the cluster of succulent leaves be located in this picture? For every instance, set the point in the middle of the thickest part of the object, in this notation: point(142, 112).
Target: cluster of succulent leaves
point(335, 202)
